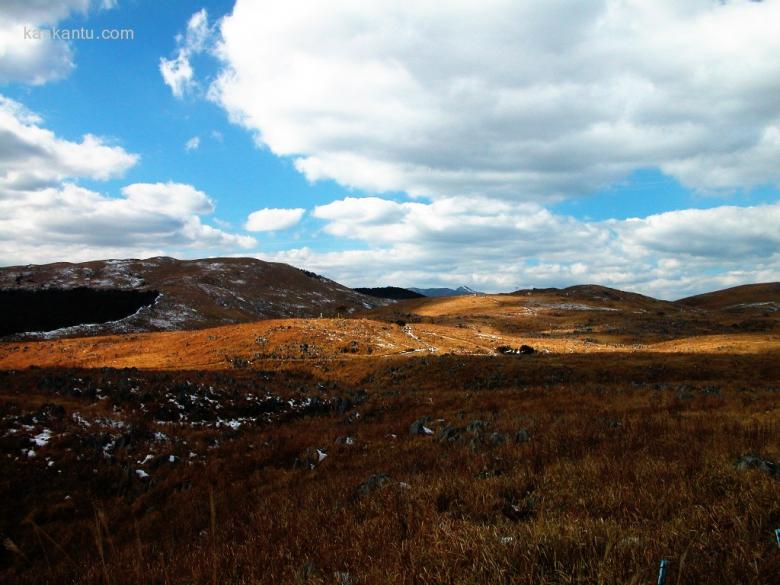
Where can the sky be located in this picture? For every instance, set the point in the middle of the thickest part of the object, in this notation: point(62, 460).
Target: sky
point(498, 144)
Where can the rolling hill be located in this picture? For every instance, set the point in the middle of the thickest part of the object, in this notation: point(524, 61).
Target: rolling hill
point(189, 294)
point(759, 298)
point(390, 292)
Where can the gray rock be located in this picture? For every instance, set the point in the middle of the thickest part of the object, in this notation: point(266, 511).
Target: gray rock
point(497, 439)
point(450, 434)
point(522, 436)
point(418, 427)
point(372, 484)
point(752, 461)
point(476, 427)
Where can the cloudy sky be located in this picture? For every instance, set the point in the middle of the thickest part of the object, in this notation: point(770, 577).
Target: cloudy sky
point(499, 144)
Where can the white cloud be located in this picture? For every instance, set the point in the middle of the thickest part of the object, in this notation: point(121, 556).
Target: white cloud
point(192, 144)
point(726, 232)
point(37, 61)
point(32, 156)
point(517, 100)
point(46, 217)
point(177, 73)
point(269, 220)
point(496, 245)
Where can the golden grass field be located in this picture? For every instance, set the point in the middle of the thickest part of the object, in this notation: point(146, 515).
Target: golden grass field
point(280, 451)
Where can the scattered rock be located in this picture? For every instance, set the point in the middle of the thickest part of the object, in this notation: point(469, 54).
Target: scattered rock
point(684, 393)
point(419, 427)
point(496, 439)
point(752, 461)
point(372, 484)
point(476, 427)
point(519, 509)
point(450, 434)
point(522, 436)
point(522, 350)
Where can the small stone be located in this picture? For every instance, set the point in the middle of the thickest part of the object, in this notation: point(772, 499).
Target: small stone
point(418, 427)
point(522, 436)
point(372, 484)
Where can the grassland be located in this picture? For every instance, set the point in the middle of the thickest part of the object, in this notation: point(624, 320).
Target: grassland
point(281, 451)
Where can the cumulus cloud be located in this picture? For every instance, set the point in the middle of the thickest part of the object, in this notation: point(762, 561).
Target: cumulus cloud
point(515, 100)
point(497, 245)
point(32, 156)
point(45, 216)
point(177, 73)
point(269, 220)
point(726, 232)
point(37, 61)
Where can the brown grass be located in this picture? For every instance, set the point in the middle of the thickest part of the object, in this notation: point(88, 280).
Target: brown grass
point(631, 458)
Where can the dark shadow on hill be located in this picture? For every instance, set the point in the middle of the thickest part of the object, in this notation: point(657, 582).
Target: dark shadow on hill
point(50, 309)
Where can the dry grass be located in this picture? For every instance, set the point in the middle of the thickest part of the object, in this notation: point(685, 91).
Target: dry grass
point(631, 456)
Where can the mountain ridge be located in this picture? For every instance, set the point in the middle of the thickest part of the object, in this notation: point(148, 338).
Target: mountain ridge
point(193, 293)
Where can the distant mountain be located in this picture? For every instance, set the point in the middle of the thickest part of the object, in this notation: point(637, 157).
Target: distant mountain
point(164, 294)
point(445, 292)
point(390, 292)
point(759, 298)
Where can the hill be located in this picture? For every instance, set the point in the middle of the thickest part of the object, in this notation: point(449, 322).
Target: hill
point(445, 292)
point(760, 298)
point(365, 448)
point(178, 294)
point(389, 292)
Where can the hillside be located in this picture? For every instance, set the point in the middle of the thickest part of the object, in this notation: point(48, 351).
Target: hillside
point(298, 449)
point(189, 293)
point(759, 298)
point(445, 292)
point(587, 313)
point(389, 292)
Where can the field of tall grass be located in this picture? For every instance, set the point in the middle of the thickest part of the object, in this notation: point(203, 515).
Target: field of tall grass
point(529, 469)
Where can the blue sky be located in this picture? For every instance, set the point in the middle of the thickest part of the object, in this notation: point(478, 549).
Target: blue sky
point(499, 146)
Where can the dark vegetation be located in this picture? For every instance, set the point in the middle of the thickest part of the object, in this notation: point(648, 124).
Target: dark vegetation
point(49, 309)
point(390, 292)
point(584, 468)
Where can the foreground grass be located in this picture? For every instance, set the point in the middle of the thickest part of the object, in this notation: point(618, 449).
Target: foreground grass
point(630, 460)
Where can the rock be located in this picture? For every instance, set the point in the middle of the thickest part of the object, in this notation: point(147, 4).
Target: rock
point(519, 510)
point(342, 405)
point(344, 440)
point(527, 350)
point(476, 427)
point(450, 434)
point(497, 439)
point(522, 436)
point(418, 427)
point(752, 461)
point(684, 392)
point(372, 484)
point(310, 458)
